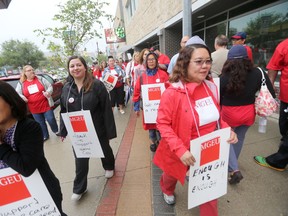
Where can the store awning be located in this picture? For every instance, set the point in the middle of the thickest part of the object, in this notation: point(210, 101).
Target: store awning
point(124, 48)
point(4, 4)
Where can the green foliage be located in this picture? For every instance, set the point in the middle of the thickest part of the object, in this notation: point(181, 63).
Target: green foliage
point(16, 53)
point(102, 57)
point(80, 22)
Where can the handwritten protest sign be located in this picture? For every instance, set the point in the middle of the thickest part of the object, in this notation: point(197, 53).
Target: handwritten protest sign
point(82, 134)
point(151, 95)
point(110, 81)
point(208, 176)
point(24, 196)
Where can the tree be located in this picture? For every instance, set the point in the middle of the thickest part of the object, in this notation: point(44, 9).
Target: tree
point(80, 22)
point(16, 53)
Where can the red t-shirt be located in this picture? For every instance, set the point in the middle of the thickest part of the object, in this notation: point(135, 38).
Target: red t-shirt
point(279, 61)
point(235, 116)
point(249, 52)
point(33, 91)
point(97, 73)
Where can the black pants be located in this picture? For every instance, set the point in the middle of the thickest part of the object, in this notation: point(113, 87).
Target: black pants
point(280, 158)
point(117, 96)
point(82, 166)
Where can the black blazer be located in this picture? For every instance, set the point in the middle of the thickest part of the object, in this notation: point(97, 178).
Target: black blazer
point(29, 156)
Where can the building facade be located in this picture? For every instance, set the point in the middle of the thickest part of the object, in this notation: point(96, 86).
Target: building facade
point(148, 23)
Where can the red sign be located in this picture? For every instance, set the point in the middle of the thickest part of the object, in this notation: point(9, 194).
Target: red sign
point(13, 189)
point(210, 151)
point(115, 35)
point(110, 79)
point(78, 123)
point(154, 93)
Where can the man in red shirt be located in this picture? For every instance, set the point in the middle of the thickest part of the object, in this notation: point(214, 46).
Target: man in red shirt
point(279, 62)
point(163, 60)
point(240, 39)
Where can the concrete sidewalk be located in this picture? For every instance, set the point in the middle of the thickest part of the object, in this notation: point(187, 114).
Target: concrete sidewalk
point(134, 190)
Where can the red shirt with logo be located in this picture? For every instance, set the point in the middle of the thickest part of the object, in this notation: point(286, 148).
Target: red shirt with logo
point(33, 91)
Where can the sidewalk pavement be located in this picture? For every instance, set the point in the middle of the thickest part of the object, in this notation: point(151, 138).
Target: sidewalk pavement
point(134, 190)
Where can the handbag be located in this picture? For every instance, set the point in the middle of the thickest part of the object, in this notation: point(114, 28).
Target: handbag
point(265, 104)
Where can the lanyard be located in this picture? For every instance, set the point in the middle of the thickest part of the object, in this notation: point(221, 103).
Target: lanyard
point(67, 99)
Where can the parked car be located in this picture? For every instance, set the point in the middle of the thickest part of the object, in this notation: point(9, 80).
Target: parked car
point(57, 85)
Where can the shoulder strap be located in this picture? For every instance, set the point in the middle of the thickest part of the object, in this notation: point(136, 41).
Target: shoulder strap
point(263, 80)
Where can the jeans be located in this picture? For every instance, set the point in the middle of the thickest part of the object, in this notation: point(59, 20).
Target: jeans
point(154, 135)
point(235, 149)
point(49, 116)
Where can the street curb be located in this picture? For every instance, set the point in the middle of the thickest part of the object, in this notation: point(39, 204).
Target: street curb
point(109, 200)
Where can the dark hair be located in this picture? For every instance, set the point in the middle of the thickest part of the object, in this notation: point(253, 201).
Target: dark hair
point(110, 57)
point(17, 104)
point(88, 80)
point(180, 70)
point(236, 70)
point(155, 56)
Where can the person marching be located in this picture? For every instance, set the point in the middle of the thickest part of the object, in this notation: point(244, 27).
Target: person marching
point(151, 75)
point(180, 120)
point(84, 92)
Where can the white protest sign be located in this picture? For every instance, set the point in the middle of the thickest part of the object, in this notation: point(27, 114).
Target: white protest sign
point(151, 95)
point(110, 81)
point(82, 134)
point(24, 196)
point(208, 176)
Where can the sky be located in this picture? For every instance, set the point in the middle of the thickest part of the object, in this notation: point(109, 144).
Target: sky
point(24, 16)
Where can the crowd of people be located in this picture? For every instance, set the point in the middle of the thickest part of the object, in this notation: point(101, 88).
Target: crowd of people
point(189, 78)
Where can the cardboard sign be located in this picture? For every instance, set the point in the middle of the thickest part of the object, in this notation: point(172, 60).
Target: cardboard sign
point(24, 196)
point(12, 189)
point(110, 81)
point(208, 176)
point(82, 134)
point(151, 95)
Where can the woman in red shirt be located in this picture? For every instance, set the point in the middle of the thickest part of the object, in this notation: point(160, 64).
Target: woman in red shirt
point(36, 92)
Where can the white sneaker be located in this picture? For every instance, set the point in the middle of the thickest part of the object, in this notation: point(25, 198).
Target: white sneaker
point(77, 197)
point(169, 199)
point(109, 173)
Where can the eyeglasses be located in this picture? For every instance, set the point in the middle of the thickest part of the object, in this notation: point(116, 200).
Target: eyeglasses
point(200, 62)
point(151, 59)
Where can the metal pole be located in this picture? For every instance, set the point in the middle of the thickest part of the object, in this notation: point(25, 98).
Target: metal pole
point(187, 18)
point(121, 13)
point(97, 49)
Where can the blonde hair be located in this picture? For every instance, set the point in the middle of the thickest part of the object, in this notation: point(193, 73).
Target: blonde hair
point(23, 76)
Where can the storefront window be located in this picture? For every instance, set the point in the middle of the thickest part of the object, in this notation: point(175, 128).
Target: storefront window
point(212, 33)
point(265, 29)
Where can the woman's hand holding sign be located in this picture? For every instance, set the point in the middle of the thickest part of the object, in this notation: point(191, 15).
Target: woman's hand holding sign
point(188, 159)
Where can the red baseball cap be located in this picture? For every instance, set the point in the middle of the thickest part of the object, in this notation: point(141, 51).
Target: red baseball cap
point(239, 35)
